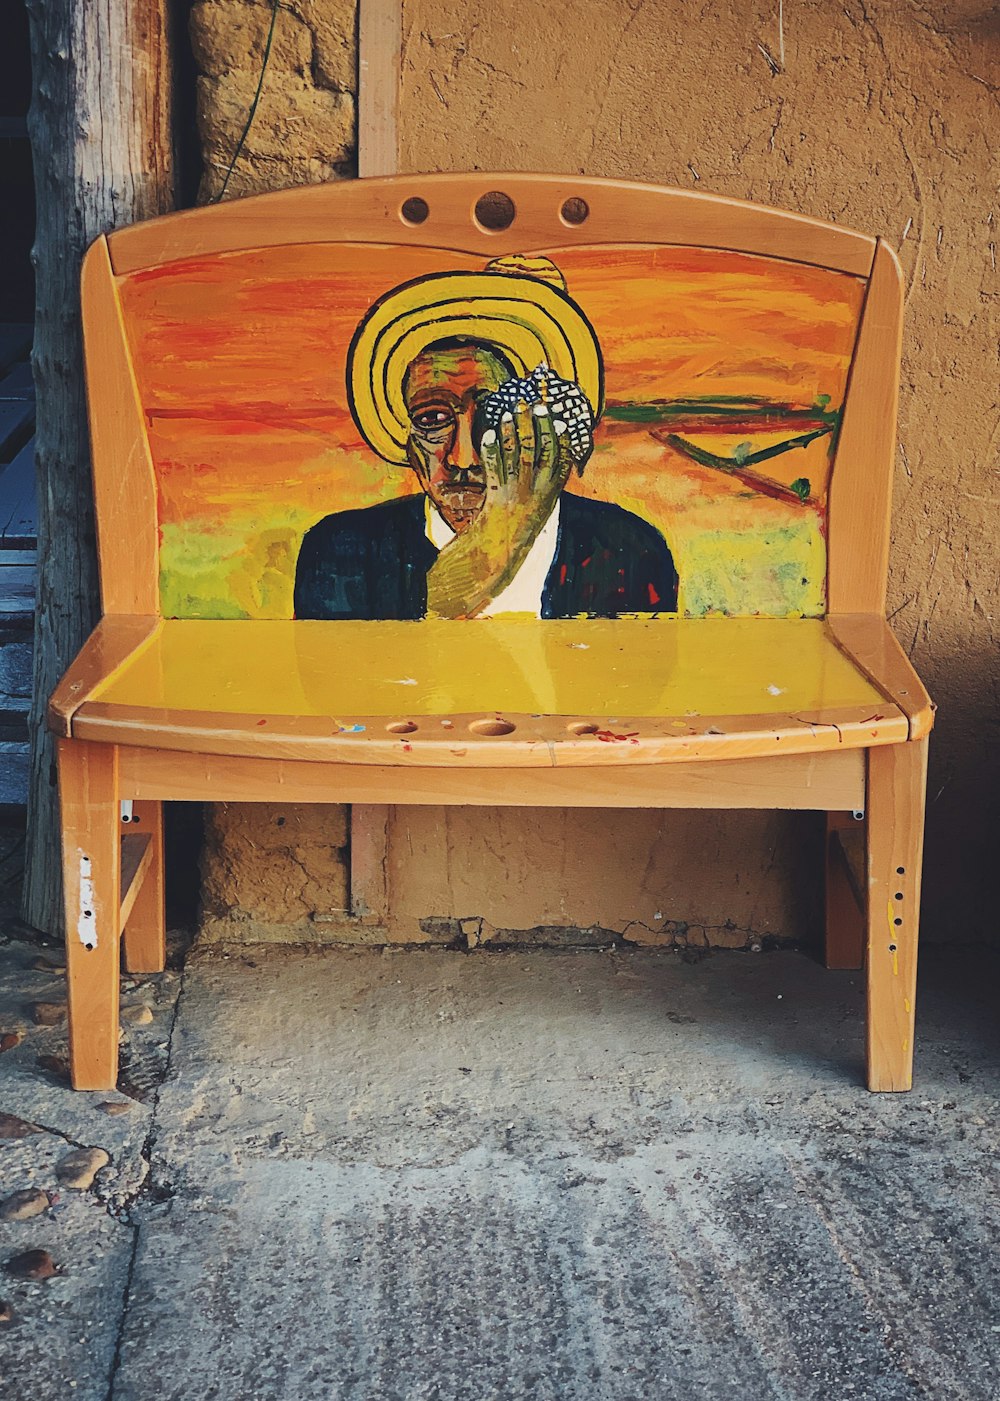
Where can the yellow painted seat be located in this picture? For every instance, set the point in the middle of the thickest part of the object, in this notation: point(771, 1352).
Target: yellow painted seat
point(729, 380)
point(502, 693)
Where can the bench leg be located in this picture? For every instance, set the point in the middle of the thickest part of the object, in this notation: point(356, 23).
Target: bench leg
point(897, 782)
point(845, 920)
point(145, 934)
point(91, 845)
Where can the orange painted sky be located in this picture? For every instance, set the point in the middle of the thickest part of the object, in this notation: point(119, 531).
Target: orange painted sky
point(241, 358)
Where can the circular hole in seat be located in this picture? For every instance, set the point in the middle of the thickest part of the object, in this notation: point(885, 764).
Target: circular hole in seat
point(414, 210)
point(575, 211)
point(492, 727)
point(401, 727)
point(582, 727)
point(495, 211)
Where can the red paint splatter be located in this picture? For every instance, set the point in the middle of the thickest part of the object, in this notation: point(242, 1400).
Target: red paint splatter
point(654, 597)
point(407, 747)
point(562, 573)
point(584, 563)
point(609, 737)
point(261, 722)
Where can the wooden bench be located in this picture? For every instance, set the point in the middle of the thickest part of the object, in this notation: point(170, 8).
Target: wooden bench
point(490, 490)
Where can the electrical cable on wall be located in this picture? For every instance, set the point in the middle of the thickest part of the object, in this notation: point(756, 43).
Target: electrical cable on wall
point(275, 6)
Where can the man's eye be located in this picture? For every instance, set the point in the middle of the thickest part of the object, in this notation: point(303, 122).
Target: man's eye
point(429, 419)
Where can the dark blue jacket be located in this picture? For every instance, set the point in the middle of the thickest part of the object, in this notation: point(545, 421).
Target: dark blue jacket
point(373, 563)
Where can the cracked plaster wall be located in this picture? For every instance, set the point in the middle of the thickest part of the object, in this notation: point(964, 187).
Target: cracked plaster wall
point(304, 127)
point(874, 113)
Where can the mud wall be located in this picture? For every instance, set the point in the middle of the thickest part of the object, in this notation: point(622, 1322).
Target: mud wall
point(874, 113)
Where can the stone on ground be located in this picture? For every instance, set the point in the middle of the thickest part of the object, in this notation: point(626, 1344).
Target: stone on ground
point(78, 1169)
point(21, 1206)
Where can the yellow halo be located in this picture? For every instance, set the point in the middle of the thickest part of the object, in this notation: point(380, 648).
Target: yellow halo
point(530, 318)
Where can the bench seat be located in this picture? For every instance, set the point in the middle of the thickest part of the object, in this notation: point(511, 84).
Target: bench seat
point(504, 694)
point(626, 461)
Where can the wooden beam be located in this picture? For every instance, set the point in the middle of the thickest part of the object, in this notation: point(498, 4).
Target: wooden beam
point(369, 862)
point(137, 854)
point(102, 152)
point(846, 899)
point(380, 36)
point(832, 781)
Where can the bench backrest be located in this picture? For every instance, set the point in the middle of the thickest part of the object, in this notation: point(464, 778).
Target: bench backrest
point(252, 369)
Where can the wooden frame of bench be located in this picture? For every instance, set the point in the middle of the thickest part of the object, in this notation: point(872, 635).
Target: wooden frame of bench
point(104, 759)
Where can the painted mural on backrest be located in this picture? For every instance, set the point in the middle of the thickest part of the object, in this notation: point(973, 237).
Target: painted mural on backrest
point(362, 431)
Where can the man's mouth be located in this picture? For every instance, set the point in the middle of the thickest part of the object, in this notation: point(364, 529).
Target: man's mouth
point(462, 494)
point(461, 502)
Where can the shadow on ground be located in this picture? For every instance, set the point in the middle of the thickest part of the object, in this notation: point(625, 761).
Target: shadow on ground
point(429, 1174)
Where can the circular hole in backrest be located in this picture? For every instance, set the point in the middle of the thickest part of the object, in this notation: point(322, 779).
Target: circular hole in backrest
point(582, 727)
point(495, 211)
point(414, 210)
point(492, 727)
point(575, 210)
point(401, 727)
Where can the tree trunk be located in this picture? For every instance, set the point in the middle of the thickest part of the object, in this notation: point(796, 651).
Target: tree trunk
point(102, 147)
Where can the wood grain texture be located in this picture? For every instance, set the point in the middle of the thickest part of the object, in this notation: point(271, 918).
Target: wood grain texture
point(844, 898)
point(136, 855)
point(873, 648)
point(102, 154)
point(821, 782)
point(369, 862)
point(370, 211)
point(380, 37)
point(534, 742)
point(91, 862)
point(124, 478)
point(115, 639)
point(860, 501)
point(897, 781)
point(144, 918)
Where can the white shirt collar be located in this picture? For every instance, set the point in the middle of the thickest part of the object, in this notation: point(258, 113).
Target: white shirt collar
point(524, 592)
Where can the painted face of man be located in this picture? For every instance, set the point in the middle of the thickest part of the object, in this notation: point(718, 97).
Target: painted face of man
point(444, 390)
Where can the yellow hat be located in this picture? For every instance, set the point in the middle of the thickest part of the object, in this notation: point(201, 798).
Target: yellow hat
point(519, 304)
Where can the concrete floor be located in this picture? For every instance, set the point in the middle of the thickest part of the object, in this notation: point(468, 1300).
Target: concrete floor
point(432, 1176)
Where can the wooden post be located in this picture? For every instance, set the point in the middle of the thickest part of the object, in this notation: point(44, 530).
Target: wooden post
point(103, 156)
point(846, 884)
point(88, 784)
point(897, 784)
point(380, 38)
point(145, 932)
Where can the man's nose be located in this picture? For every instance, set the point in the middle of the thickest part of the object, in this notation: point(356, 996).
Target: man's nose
point(464, 453)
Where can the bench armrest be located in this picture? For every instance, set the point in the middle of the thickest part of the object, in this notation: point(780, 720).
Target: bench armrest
point(115, 639)
point(871, 644)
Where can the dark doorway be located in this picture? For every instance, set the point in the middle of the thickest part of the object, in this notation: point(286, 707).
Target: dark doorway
point(17, 223)
point(17, 420)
